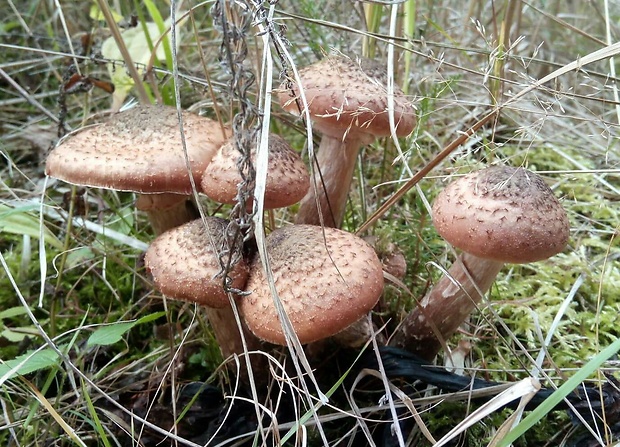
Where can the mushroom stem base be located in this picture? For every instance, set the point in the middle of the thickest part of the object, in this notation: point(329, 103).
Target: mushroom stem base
point(446, 306)
point(356, 335)
point(227, 334)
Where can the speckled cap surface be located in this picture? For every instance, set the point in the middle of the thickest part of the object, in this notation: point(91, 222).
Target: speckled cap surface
point(325, 283)
point(288, 179)
point(347, 95)
point(138, 150)
point(502, 213)
point(184, 263)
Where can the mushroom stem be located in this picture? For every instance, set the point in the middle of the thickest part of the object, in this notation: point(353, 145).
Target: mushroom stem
point(446, 306)
point(335, 164)
point(358, 333)
point(167, 210)
point(227, 334)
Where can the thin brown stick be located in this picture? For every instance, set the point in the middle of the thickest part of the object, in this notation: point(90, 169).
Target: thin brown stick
point(425, 170)
point(131, 68)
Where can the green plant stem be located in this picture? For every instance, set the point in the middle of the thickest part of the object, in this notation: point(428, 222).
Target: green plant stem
point(62, 261)
point(511, 8)
point(168, 90)
point(373, 13)
point(205, 70)
point(96, 422)
point(34, 407)
point(409, 33)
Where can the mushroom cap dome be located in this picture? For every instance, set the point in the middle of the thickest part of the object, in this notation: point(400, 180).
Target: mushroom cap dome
point(326, 279)
point(138, 150)
point(347, 96)
point(288, 179)
point(185, 266)
point(502, 213)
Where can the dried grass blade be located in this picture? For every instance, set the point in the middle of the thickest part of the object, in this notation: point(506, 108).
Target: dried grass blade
point(524, 389)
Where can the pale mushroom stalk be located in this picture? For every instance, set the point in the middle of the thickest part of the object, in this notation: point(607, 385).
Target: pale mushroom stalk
point(333, 173)
point(227, 333)
point(166, 211)
point(497, 215)
point(447, 305)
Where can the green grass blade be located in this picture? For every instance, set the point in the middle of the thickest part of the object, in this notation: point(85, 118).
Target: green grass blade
point(19, 221)
point(165, 42)
point(542, 410)
point(110, 334)
point(95, 422)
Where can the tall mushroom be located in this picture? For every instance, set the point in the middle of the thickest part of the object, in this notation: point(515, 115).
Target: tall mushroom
point(140, 150)
point(497, 215)
point(327, 279)
point(348, 102)
point(287, 177)
point(186, 264)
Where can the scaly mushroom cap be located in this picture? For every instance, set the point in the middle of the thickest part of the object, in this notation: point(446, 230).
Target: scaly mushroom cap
point(288, 179)
point(184, 263)
point(349, 96)
point(326, 279)
point(138, 150)
point(502, 213)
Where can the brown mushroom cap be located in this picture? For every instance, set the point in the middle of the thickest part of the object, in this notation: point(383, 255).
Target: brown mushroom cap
point(502, 213)
point(288, 179)
point(138, 150)
point(349, 96)
point(184, 263)
point(323, 290)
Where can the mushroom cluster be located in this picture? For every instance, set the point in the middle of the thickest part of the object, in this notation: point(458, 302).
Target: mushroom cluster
point(325, 278)
point(141, 151)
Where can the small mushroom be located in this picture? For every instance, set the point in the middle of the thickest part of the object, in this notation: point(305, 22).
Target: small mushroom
point(185, 265)
point(287, 178)
point(327, 279)
point(497, 215)
point(348, 102)
point(140, 150)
